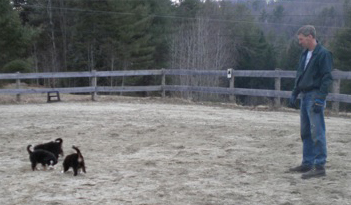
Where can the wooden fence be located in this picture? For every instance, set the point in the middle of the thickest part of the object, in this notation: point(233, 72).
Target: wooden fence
point(334, 96)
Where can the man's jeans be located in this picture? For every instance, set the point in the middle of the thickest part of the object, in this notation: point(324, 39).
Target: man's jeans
point(312, 132)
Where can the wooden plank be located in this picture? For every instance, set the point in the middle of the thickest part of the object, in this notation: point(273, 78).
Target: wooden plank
point(45, 90)
point(252, 73)
point(264, 73)
point(251, 92)
point(94, 84)
point(45, 75)
point(128, 73)
point(342, 75)
point(14, 76)
point(339, 97)
point(82, 89)
point(129, 89)
point(18, 85)
point(195, 72)
point(235, 73)
point(233, 91)
point(163, 83)
point(277, 87)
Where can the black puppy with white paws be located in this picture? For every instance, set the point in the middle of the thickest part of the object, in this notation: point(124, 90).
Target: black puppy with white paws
point(42, 157)
point(76, 161)
point(54, 147)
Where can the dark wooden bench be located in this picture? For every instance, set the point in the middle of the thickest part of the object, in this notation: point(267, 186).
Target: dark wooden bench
point(53, 96)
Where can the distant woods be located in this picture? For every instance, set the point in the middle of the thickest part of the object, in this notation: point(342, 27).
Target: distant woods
point(85, 35)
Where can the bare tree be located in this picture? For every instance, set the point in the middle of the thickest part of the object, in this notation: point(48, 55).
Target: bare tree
point(201, 44)
point(54, 67)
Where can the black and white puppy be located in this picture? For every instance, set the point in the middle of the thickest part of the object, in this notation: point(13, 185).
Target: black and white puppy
point(41, 156)
point(54, 147)
point(76, 161)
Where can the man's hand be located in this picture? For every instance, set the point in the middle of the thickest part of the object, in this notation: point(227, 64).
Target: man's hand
point(292, 102)
point(318, 105)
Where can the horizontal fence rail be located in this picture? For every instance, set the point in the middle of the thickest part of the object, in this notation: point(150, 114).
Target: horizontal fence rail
point(341, 75)
point(45, 90)
point(278, 74)
point(22, 76)
point(230, 91)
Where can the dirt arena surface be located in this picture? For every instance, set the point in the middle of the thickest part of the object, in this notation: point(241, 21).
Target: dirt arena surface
point(153, 151)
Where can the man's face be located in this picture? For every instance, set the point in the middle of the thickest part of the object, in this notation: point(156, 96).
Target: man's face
point(304, 41)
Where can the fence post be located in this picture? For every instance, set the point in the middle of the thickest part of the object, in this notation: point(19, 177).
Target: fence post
point(94, 84)
point(230, 75)
point(336, 89)
point(163, 83)
point(18, 85)
point(277, 86)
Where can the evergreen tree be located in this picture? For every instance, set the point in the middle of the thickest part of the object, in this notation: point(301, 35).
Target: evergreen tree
point(289, 61)
point(131, 37)
point(138, 35)
point(14, 39)
point(341, 48)
point(52, 20)
point(263, 16)
point(89, 33)
point(253, 50)
point(256, 54)
point(278, 14)
point(291, 55)
point(81, 35)
point(161, 30)
point(189, 8)
point(127, 31)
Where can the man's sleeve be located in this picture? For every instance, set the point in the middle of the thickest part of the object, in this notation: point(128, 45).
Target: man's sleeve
point(326, 64)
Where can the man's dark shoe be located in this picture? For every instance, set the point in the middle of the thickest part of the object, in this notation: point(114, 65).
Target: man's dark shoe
point(315, 172)
point(300, 169)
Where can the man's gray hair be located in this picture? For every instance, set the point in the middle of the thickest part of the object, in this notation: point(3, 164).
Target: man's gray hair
point(307, 30)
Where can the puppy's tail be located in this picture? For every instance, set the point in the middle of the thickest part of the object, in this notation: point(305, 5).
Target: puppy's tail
point(59, 140)
point(78, 151)
point(28, 149)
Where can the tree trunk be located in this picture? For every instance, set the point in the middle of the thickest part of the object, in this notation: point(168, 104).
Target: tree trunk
point(52, 37)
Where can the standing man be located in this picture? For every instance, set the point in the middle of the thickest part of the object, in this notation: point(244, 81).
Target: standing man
point(313, 78)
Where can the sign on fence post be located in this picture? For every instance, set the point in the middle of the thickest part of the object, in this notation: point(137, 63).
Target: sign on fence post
point(231, 83)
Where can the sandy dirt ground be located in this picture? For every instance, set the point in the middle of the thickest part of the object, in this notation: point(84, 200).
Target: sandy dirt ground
point(154, 151)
